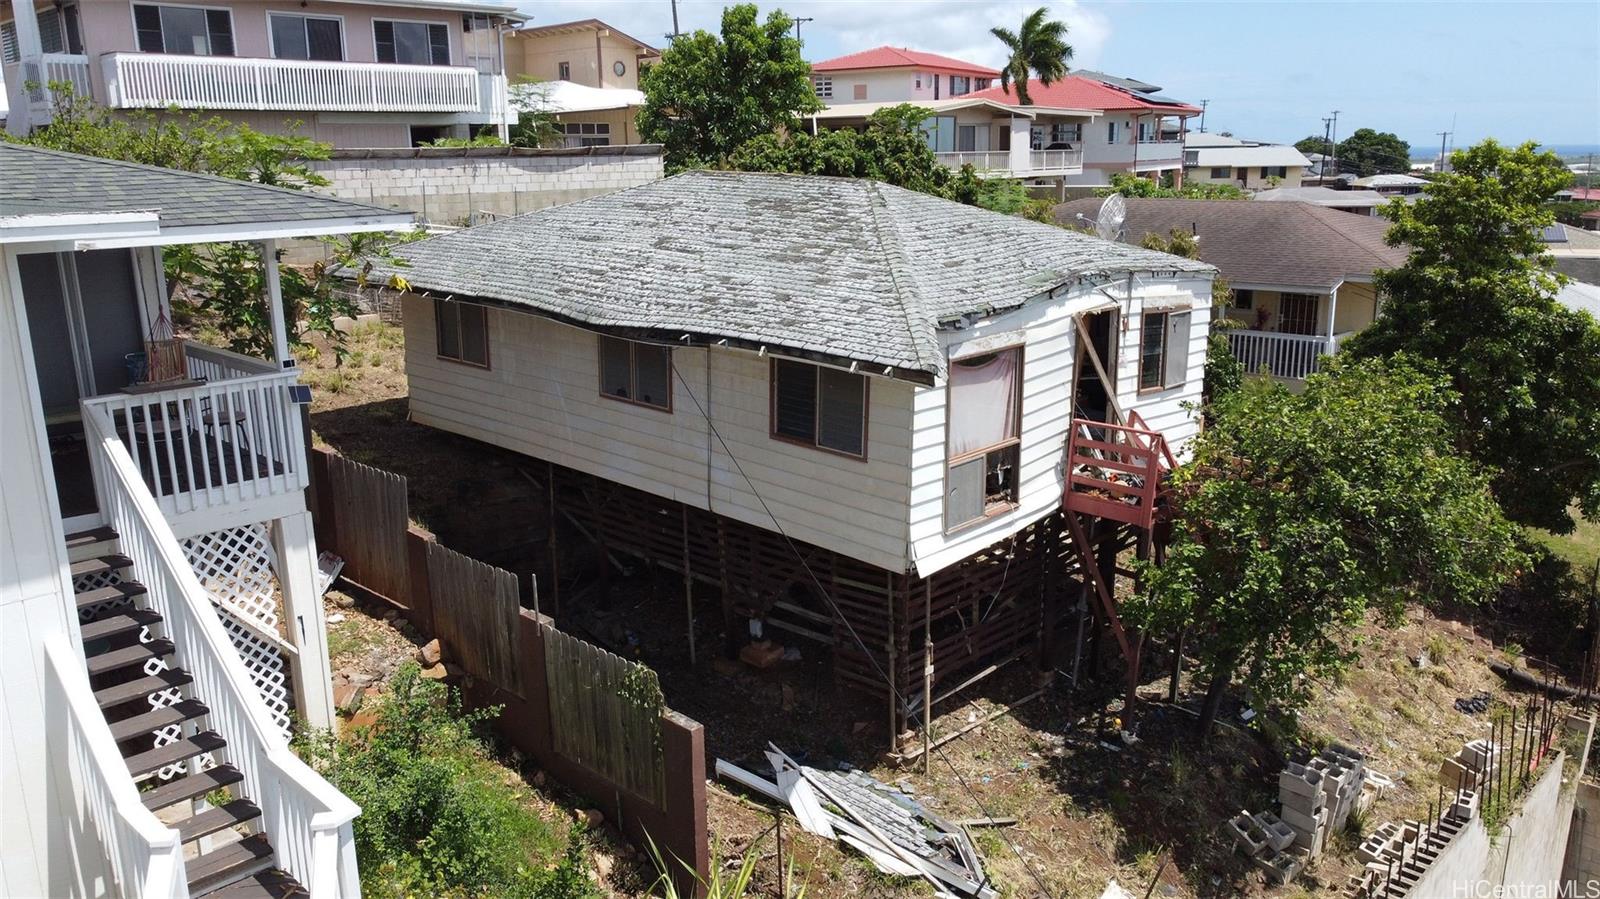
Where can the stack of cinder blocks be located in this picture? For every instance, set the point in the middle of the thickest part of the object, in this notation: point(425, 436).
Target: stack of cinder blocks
point(1305, 805)
point(1267, 840)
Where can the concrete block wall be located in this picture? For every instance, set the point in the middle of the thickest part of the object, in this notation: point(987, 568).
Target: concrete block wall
point(449, 185)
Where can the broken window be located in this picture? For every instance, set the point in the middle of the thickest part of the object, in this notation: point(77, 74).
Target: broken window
point(463, 332)
point(1163, 350)
point(983, 435)
point(639, 373)
point(818, 406)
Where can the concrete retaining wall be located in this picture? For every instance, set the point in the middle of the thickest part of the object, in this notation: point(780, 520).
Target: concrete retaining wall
point(448, 185)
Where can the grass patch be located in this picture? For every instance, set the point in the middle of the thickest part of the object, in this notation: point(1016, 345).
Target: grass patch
point(1581, 547)
point(347, 638)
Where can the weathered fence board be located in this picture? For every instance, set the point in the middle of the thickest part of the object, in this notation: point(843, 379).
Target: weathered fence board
point(475, 609)
point(605, 714)
point(370, 519)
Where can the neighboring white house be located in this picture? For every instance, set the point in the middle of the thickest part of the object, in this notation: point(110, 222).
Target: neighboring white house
point(878, 374)
point(152, 513)
point(1252, 165)
point(1356, 202)
point(372, 73)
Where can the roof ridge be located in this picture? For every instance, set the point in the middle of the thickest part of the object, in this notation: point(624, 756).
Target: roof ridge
point(1320, 213)
point(891, 242)
point(207, 176)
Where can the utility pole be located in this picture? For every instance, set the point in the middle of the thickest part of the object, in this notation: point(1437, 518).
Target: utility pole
point(1333, 142)
point(1443, 135)
point(797, 21)
point(1327, 147)
point(675, 31)
point(1203, 105)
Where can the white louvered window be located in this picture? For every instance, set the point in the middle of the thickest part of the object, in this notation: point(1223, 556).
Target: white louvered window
point(823, 85)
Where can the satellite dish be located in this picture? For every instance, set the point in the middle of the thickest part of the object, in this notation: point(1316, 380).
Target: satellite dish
point(1108, 221)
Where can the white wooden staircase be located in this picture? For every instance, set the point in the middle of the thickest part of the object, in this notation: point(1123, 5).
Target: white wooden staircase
point(160, 729)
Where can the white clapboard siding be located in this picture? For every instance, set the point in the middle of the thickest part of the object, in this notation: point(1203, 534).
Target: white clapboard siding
point(1046, 329)
point(1164, 410)
point(540, 397)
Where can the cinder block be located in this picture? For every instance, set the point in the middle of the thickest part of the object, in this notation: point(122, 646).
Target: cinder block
point(1301, 821)
point(1246, 833)
point(1465, 805)
point(1478, 755)
point(1298, 780)
point(1279, 834)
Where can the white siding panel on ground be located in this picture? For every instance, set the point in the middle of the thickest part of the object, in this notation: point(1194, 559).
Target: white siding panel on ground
point(540, 397)
point(1047, 332)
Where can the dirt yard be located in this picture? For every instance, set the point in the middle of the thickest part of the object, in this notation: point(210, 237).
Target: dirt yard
point(1087, 809)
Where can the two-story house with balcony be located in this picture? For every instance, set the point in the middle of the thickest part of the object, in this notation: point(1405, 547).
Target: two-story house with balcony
point(586, 73)
point(374, 73)
point(159, 609)
point(899, 75)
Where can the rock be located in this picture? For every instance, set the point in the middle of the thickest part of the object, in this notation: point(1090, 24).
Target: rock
point(346, 698)
point(390, 615)
point(361, 680)
point(589, 817)
point(602, 866)
point(336, 618)
point(436, 672)
point(764, 654)
point(430, 653)
point(344, 600)
point(538, 778)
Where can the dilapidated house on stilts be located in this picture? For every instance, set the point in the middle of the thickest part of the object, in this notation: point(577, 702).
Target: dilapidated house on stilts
point(883, 421)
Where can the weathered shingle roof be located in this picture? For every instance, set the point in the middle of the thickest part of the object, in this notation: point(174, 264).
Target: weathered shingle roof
point(1287, 243)
point(845, 268)
point(35, 180)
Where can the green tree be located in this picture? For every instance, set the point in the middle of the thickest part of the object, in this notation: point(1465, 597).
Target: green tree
point(1303, 516)
point(709, 95)
point(1368, 152)
point(1475, 301)
point(1039, 47)
point(1315, 143)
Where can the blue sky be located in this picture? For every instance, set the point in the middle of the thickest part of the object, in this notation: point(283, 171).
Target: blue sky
point(1272, 70)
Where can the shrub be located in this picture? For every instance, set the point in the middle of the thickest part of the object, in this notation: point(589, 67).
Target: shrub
point(438, 817)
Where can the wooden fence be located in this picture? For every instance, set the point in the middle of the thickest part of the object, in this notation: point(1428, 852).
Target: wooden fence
point(594, 721)
point(475, 608)
point(605, 713)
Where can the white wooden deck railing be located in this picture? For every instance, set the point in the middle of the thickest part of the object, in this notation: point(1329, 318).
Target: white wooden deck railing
point(67, 68)
point(306, 819)
point(142, 857)
point(1056, 160)
point(213, 363)
point(159, 80)
point(1288, 356)
point(982, 160)
point(203, 446)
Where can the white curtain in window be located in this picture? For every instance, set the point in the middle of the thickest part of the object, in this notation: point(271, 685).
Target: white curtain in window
point(983, 402)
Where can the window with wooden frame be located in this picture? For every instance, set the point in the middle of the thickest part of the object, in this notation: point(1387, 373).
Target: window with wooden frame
point(820, 407)
point(414, 43)
point(1163, 349)
point(463, 332)
point(638, 373)
point(185, 30)
point(983, 436)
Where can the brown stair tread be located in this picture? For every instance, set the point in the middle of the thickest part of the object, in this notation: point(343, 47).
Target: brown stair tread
point(128, 728)
point(141, 687)
point(190, 786)
point(124, 590)
point(160, 757)
point(212, 820)
point(229, 864)
point(118, 623)
point(128, 655)
point(273, 884)
point(108, 562)
point(90, 537)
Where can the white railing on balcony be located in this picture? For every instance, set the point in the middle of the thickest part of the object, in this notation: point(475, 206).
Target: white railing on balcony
point(139, 856)
point(306, 819)
point(234, 437)
point(982, 160)
point(1056, 160)
point(1288, 356)
point(159, 80)
point(66, 68)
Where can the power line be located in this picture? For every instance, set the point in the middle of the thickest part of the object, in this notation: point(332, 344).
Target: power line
point(840, 616)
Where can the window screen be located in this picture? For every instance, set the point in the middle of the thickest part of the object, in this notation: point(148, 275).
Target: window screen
point(616, 368)
point(412, 43)
point(841, 412)
point(449, 328)
point(1153, 333)
point(183, 30)
point(306, 37)
point(463, 332)
point(1177, 350)
point(794, 400)
point(636, 372)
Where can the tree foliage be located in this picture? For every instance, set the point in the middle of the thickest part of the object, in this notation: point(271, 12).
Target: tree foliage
point(711, 94)
point(1130, 185)
point(1315, 143)
point(1039, 47)
point(437, 818)
point(1301, 515)
point(891, 149)
point(1475, 301)
point(1368, 152)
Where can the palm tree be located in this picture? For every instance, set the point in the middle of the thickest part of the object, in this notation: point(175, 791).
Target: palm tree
point(1039, 47)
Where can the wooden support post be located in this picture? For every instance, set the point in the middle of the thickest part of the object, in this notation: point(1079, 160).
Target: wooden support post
point(296, 551)
point(688, 582)
point(730, 641)
point(892, 672)
point(927, 671)
point(550, 539)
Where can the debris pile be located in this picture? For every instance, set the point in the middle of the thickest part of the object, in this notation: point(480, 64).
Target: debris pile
point(1316, 800)
point(898, 834)
point(1476, 704)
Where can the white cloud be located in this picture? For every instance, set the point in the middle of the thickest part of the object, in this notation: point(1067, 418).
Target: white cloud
point(844, 26)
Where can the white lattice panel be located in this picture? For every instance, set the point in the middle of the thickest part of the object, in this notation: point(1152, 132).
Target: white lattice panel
point(94, 581)
point(236, 567)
